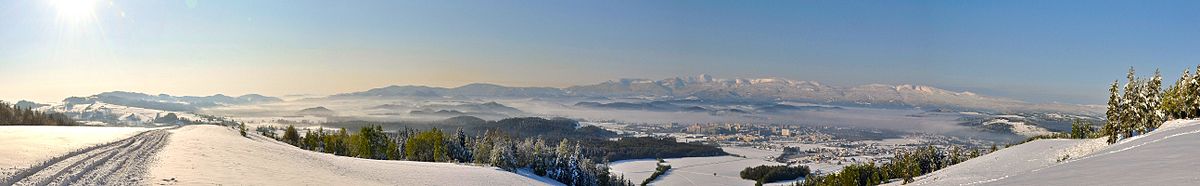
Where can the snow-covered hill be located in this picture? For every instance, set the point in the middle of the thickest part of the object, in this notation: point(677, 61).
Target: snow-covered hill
point(208, 155)
point(1017, 127)
point(212, 155)
point(102, 113)
point(1167, 156)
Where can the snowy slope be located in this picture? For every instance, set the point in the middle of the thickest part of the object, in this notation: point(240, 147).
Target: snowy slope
point(211, 155)
point(1167, 156)
point(22, 146)
point(717, 170)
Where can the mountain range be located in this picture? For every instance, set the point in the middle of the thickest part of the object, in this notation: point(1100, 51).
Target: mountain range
point(168, 102)
point(708, 88)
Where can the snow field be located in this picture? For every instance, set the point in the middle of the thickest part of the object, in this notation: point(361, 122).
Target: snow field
point(717, 170)
point(1163, 157)
point(212, 155)
point(24, 146)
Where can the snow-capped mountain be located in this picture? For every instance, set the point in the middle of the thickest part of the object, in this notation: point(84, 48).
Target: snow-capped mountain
point(779, 89)
point(705, 87)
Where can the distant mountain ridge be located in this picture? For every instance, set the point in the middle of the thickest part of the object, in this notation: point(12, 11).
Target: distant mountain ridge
point(168, 102)
point(471, 90)
point(705, 87)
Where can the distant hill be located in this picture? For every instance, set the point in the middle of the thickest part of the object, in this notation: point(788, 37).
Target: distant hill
point(672, 106)
point(168, 102)
point(316, 111)
point(471, 90)
point(449, 110)
point(550, 129)
point(28, 105)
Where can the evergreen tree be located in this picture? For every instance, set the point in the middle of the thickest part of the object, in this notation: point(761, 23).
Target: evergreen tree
point(1129, 107)
point(1113, 115)
point(1183, 95)
point(1153, 97)
point(291, 136)
point(427, 146)
point(456, 144)
point(482, 152)
point(393, 151)
point(539, 163)
point(1191, 95)
point(342, 143)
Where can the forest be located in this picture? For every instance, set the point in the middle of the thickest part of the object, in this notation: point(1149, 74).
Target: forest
point(14, 115)
point(566, 161)
point(557, 129)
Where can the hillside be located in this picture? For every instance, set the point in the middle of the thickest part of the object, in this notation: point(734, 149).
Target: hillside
point(206, 155)
point(1162, 157)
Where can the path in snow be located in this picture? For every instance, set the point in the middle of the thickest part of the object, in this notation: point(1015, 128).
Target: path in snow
point(115, 163)
point(24, 146)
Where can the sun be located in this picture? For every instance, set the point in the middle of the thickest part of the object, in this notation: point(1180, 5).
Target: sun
point(74, 12)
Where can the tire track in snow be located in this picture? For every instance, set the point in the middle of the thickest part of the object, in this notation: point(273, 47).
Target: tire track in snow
point(122, 162)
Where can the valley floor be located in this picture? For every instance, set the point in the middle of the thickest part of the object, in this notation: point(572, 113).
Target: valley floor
point(717, 170)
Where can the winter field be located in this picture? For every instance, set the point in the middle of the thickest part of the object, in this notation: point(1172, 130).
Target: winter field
point(1162, 157)
point(718, 170)
point(209, 155)
point(24, 146)
point(206, 155)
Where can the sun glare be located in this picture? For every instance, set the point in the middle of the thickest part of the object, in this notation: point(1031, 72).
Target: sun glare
point(74, 12)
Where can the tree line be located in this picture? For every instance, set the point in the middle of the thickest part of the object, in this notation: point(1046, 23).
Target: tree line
point(904, 166)
point(566, 161)
point(557, 129)
point(772, 173)
point(1141, 105)
point(13, 115)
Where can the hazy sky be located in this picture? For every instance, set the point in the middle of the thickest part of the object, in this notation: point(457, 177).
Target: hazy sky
point(1033, 50)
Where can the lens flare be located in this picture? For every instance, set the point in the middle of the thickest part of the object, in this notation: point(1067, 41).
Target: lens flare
point(74, 12)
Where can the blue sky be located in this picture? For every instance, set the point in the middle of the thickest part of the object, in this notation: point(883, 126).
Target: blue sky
point(1041, 51)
